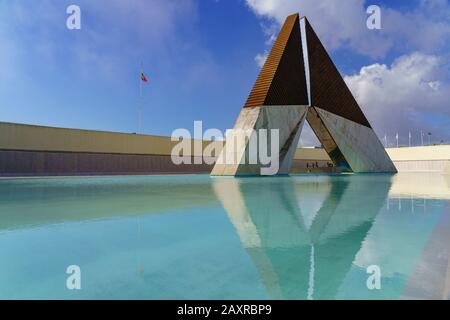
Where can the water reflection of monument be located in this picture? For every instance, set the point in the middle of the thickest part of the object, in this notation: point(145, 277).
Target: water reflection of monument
point(303, 235)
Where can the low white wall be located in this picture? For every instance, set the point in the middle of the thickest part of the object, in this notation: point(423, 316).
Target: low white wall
point(421, 159)
point(22, 137)
point(441, 152)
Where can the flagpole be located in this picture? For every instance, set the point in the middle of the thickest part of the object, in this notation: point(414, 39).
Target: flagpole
point(141, 102)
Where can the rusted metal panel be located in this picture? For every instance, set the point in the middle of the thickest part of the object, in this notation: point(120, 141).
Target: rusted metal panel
point(328, 89)
point(282, 78)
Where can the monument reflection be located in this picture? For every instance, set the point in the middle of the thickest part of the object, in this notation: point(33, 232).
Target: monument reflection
point(303, 234)
point(193, 237)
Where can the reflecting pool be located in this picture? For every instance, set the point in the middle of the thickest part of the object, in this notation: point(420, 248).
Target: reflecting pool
point(196, 237)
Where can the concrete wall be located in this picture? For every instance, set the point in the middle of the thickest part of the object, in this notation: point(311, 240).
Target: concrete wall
point(421, 159)
point(38, 138)
point(431, 153)
point(27, 150)
point(406, 159)
point(40, 163)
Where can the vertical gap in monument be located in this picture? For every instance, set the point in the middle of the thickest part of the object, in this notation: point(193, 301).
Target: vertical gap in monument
point(305, 57)
point(313, 118)
point(306, 127)
point(287, 151)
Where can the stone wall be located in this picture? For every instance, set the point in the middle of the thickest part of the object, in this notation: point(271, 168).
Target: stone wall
point(43, 151)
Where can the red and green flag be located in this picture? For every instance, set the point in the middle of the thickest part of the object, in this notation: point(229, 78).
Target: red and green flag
point(143, 77)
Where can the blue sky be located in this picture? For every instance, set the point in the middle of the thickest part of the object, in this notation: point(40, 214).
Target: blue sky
point(200, 58)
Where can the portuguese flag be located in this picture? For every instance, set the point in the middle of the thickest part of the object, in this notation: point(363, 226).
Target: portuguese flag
point(143, 77)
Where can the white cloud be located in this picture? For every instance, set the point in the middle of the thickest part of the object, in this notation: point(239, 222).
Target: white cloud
point(261, 58)
point(398, 98)
point(308, 137)
point(343, 24)
point(403, 96)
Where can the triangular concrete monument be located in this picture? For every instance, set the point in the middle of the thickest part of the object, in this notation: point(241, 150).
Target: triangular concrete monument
point(299, 81)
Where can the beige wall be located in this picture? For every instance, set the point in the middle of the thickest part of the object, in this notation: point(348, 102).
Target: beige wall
point(38, 138)
point(421, 159)
point(312, 154)
point(441, 152)
point(427, 153)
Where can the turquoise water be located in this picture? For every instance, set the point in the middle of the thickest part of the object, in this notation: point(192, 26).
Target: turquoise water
point(196, 237)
